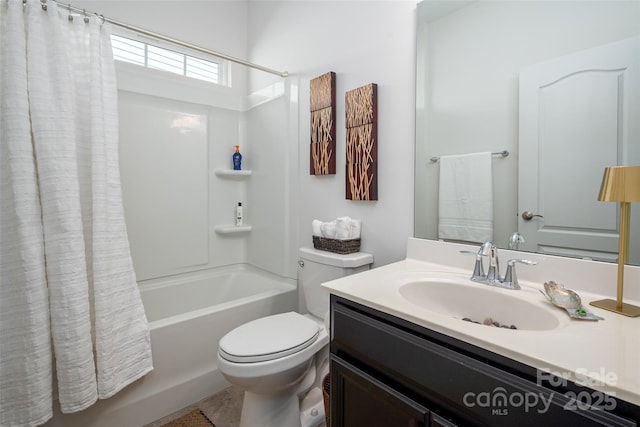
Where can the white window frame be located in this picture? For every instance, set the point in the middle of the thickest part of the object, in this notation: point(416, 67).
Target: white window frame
point(186, 53)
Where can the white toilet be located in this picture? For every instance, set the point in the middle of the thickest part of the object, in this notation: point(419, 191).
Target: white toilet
point(277, 359)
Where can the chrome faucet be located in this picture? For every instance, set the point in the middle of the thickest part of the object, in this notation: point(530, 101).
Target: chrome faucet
point(515, 240)
point(490, 250)
point(492, 277)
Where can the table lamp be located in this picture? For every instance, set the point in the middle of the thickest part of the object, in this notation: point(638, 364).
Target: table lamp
point(621, 184)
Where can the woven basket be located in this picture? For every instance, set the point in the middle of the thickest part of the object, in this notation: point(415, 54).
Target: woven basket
point(326, 393)
point(337, 246)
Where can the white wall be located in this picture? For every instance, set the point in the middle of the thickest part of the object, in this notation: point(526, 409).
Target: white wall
point(362, 42)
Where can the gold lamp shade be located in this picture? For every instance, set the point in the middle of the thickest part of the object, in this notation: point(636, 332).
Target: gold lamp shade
point(621, 184)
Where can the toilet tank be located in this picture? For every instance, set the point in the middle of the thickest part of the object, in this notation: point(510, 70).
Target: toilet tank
point(316, 267)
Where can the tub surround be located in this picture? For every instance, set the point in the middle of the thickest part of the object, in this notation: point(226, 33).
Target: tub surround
point(601, 355)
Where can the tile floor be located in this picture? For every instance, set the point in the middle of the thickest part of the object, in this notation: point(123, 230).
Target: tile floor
point(223, 409)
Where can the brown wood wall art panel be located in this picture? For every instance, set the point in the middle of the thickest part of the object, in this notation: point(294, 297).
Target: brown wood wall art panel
point(361, 108)
point(322, 156)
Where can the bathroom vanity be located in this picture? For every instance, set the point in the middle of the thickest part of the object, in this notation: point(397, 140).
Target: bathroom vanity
point(398, 361)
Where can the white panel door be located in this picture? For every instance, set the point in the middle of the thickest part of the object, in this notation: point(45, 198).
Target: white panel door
point(578, 114)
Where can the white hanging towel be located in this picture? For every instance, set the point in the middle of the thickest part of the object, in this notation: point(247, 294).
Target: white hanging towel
point(466, 198)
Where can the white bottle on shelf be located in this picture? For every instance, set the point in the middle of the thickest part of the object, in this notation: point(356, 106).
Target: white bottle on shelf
point(239, 215)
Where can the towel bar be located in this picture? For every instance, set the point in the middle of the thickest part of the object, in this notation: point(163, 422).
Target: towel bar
point(503, 153)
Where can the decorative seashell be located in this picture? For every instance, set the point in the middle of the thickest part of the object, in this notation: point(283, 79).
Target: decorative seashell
point(565, 298)
point(561, 296)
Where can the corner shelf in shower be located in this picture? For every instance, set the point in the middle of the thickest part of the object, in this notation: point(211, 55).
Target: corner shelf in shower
point(232, 229)
point(232, 174)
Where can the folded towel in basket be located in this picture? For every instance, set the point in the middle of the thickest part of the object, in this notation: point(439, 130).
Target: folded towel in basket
point(343, 228)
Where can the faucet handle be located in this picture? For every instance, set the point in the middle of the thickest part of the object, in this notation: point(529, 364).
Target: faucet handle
point(512, 262)
point(510, 276)
point(471, 253)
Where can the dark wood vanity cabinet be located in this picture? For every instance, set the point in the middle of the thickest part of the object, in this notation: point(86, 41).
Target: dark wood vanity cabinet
point(387, 372)
point(365, 401)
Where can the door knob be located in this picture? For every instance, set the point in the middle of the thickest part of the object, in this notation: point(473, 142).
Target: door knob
point(528, 215)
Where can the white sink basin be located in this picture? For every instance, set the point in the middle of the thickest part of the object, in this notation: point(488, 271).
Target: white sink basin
point(477, 302)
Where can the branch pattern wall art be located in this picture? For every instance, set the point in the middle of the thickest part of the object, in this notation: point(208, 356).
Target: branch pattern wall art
point(322, 159)
point(361, 107)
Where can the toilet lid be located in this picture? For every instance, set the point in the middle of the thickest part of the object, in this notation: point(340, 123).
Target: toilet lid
point(269, 338)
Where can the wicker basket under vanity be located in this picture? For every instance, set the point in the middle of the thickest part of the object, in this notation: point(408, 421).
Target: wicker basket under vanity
point(326, 394)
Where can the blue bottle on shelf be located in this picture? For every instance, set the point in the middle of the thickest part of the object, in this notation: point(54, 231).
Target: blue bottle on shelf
point(237, 159)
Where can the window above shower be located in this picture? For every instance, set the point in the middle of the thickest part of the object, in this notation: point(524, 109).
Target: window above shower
point(157, 57)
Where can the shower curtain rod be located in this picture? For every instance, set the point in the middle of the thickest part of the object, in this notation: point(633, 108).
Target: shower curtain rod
point(169, 39)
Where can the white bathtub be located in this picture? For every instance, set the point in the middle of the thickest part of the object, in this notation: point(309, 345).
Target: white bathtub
point(188, 314)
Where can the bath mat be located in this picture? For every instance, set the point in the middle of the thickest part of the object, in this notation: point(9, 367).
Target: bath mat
point(195, 418)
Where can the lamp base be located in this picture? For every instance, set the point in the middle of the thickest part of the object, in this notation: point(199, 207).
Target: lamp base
point(628, 310)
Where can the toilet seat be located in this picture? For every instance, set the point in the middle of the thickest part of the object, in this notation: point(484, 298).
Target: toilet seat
point(269, 338)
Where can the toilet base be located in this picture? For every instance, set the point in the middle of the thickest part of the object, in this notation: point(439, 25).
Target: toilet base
point(312, 409)
point(270, 411)
point(283, 409)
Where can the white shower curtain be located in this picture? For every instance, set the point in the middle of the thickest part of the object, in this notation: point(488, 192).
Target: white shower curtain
point(69, 301)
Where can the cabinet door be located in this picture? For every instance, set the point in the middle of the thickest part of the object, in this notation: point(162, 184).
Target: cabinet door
point(438, 421)
point(358, 399)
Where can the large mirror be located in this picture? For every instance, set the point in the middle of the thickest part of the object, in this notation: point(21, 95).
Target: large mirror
point(556, 84)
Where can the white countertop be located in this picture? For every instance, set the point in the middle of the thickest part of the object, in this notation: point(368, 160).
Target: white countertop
point(602, 355)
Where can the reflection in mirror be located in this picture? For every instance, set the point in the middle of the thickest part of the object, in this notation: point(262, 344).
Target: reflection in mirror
point(557, 84)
